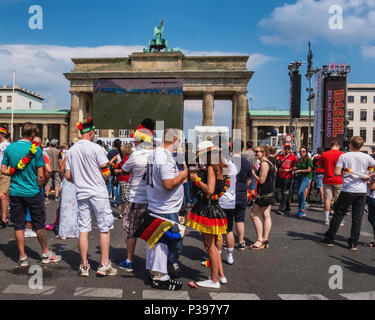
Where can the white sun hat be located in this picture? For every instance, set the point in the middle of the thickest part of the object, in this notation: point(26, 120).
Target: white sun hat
point(204, 145)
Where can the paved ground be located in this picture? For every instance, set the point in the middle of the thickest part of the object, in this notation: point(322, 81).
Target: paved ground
point(293, 267)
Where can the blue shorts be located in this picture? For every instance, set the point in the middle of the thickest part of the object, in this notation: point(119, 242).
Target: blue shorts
point(318, 181)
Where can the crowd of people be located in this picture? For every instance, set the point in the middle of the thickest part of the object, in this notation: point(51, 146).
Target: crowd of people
point(208, 191)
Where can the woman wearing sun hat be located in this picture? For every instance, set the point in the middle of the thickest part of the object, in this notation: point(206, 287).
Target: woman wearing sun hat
point(209, 184)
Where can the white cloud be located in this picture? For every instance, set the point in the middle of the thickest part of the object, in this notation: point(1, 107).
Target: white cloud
point(308, 20)
point(40, 67)
point(368, 52)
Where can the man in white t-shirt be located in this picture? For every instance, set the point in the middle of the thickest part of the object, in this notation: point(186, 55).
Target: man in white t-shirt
point(165, 190)
point(136, 207)
point(4, 180)
point(87, 168)
point(354, 192)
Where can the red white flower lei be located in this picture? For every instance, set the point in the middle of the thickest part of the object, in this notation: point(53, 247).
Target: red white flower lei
point(25, 160)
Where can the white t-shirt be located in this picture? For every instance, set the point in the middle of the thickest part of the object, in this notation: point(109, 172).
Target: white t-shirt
point(359, 162)
point(136, 165)
point(228, 200)
point(84, 160)
point(163, 167)
point(3, 146)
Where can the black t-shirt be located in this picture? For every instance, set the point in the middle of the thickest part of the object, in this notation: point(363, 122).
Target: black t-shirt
point(242, 177)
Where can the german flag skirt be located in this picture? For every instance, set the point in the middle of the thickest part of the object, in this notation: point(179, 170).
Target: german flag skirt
point(208, 218)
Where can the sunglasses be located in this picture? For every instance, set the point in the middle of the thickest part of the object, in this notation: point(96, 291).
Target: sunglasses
point(257, 151)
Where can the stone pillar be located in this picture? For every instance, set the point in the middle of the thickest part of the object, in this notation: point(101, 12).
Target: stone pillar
point(299, 137)
point(234, 112)
point(63, 135)
point(242, 113)
point(254, 135)
point(208, 109)
point(45, 133)
point(74, 115)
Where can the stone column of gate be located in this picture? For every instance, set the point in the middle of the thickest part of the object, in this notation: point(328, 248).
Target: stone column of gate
point(63, 136)
point(208, 108)
point(254, 135)
point(45, 133)
point(74, 115)
point(241, 113)
point(234, 112)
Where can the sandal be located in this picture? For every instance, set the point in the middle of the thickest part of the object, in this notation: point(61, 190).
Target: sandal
point(254, 247)
point(266, 244)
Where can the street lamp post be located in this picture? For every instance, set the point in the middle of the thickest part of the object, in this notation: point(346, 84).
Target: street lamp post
point(13, 102)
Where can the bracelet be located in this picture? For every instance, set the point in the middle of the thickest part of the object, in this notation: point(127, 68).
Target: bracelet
point(197, 181)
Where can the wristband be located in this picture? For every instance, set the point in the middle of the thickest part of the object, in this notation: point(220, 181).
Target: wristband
point(105, 171)
point(197, 181)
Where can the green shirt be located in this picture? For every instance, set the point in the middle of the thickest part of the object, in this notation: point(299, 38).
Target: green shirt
point(25, 182)
point(304, 165)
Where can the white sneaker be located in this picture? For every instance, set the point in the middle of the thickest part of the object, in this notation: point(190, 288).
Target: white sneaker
point(326, 222)
point(50, 257)
point(106, 270)
point(229, 259)
point(30, 233)
point(209, 284)
point(222, 280)
point(84, 271)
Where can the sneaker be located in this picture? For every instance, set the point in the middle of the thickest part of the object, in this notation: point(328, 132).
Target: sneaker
point(229, 259)
point(242, 246)
point(115, 205)
point(174, 270)
point(301, 214)
point(326, 242)
point(326, 222)
point(50, 257)
point(23, 263)
point(29, 233)
point(209, 284)
point(166, 284)
point(47, 201)
point(222, 280)
point(353, 247)
point(127, 266)
point(106, 270)
point(57, 199)
point(84, 271)
point(281, 213)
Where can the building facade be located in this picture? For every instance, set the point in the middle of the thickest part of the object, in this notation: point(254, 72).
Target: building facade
point(361, 113)
point(21, 99)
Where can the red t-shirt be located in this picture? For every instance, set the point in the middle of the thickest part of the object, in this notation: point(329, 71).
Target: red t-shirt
point(316, 161)
point(328, 163)
point(289, 163)
point(121, 176)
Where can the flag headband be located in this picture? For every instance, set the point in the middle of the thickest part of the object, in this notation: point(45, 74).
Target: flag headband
point(86, 126)
point(3, 130)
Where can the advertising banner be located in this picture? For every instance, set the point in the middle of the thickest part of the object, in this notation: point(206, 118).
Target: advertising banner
point(318, 114)
point(335, 109)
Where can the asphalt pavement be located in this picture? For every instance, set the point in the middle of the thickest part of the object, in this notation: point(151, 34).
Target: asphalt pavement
point(294, 267)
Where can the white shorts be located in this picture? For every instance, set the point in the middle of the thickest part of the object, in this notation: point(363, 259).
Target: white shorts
point(157, 258)
point(102, 210)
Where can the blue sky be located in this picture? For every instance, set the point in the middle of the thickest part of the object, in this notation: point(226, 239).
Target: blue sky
point(272, 32)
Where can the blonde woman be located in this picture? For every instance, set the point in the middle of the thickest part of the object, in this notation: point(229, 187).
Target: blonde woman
point(261, 212)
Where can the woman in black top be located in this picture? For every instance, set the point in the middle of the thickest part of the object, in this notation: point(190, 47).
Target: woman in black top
point(265, 199)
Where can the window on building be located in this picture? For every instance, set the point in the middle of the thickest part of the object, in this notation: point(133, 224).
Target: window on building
point(30, 104)
point(373, 115)
point(97, 133)
point(350, 99)
point(363, 115)
point(350, 132)
point(1, 99)
point(363, 99)
point(8, 108)
point(373, 136)
point(350, 115)
point(124, 133)
point(363, 133)
point(373, 101)
point(9, 99)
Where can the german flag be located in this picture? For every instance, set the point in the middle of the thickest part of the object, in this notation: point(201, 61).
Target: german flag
point(152, 229)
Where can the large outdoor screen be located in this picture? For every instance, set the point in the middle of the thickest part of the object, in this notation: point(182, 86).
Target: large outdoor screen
point(124, 103)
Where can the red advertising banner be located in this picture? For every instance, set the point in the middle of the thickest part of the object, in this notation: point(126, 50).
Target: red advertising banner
point(335, 109)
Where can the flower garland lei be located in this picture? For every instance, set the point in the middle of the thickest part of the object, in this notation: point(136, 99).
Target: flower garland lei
point(25, 160)
point(217, 196)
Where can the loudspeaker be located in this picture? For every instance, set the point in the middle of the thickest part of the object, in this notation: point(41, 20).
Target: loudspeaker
point(295, 95)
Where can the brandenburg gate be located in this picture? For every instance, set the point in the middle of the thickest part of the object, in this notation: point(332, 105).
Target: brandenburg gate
point(205, 78)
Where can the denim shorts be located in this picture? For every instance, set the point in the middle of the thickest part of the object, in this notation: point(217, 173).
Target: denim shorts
point(318, 179)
